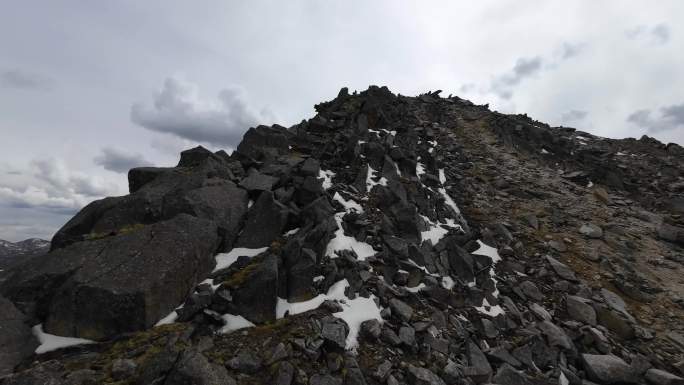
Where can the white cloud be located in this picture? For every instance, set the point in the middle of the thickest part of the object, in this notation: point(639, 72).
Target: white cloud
point(179, 110)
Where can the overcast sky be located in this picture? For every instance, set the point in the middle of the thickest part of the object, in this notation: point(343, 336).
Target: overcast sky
point(89, 89)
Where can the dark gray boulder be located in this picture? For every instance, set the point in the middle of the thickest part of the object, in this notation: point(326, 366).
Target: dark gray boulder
point(223, 203)
point(608, 369)
point(266, 221)
point(140, 176)
point(255, 289)
point(258, 182)
point(263, 142)
point(100, 288)
point(580, 309)
point(16, 340)
point(478, 369)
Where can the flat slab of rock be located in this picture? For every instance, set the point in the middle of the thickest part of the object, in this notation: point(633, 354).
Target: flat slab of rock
point(100, 288)
point(561, 269)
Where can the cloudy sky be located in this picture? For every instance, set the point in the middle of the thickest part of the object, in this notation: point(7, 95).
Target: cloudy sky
point(89, 89)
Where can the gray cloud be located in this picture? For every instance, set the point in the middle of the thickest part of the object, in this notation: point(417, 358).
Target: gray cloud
point(569, 50)
point(657, 34)
point(524, 68)
point(178, 110)
point(21, 79)
point(117, 160)
point(573, 116)
point(670, 118)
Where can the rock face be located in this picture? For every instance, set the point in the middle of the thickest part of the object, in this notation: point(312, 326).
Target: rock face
point(387, 240)
point(16, 341)
point(97, 289)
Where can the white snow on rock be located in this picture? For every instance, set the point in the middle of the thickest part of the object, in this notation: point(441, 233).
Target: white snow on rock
point(543, 151)
point(442, 177)
point(50, 342)
point(344, 242)
point(447, 199)
point(224, 260)
point(349, 205)
point(488, 251)
point(354, 312)
point(292, 232)
point(326, 175)
point(492, 253)
point(416, 289)
point(234, 322)
point(420, 169)
point(169, 319)
point(370, 183)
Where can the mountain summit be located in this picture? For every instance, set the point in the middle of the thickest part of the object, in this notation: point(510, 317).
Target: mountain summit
point(388, 240)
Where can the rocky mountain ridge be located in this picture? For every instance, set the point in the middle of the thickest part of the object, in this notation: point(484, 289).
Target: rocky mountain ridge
point(11, 252)
point(387, 240)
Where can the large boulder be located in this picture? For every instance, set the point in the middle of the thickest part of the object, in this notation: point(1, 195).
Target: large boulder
point(266, 221)
point(160, 194)
point(254, 289)
point(16, 340)
point(99, 288)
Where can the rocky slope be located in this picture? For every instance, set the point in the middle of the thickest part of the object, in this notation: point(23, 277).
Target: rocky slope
point(388, 240)
point(12, 252)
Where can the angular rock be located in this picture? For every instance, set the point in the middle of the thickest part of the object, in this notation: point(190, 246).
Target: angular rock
point(256, 182)
point(506, 375)
point(661, 377)
point(561, 269)
point(607, 369)
point(266, 221)
point(399, 308)
point(245, 362)
point(255, 290)
point(591, 230)
point(423, 376)
point(478, 369)
point(580, 310)
point(17, 343)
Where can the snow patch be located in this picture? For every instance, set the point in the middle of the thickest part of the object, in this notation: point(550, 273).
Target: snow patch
point(326, 175)
point(442, 177)
point(224, 260)
point(447, 199)
point(370, 183)
point(344, 242)
point(292, 232)
point(420, 169)
point(50, 342)
point(349, 205)
point(234, 322)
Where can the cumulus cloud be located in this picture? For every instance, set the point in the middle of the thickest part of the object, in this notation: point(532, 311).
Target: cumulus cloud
point(524, 68)
point(657, 34)
point(573, 116)
point(668, 118)
point(178, 110)
point(120, 161)
point(16, 78)
point(48, 185)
